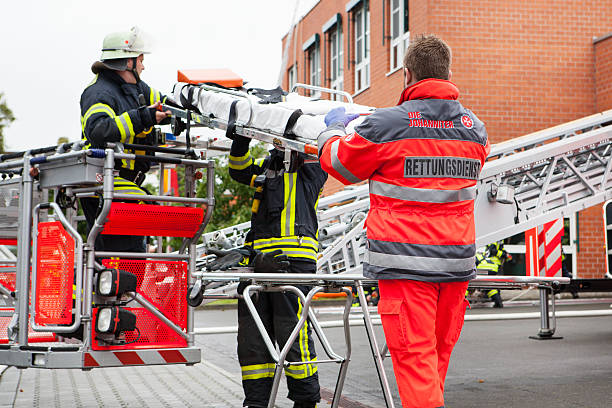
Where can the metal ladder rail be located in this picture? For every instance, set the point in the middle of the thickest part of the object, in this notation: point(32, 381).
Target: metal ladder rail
point(549, 182)
point(332, 212)
point(562, 131)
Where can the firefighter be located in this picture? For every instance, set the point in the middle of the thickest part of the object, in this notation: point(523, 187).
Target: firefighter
point(117, 106)
point(371, 295)
point(490, 263)
point(422, 159)
point(283, 218)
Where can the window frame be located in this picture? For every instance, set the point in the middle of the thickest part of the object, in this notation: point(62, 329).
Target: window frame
point(361, 38)
point(336, 55)
point(291, 77)
point(399, 43)
point(313, 59)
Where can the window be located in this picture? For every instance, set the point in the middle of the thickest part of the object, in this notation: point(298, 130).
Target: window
point(291, 77)
point(399, 33)
point(362, 45)
point(335, 61)
point(314, 67)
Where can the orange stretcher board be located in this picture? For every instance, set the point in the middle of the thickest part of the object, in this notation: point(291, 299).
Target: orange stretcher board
point(223, 76)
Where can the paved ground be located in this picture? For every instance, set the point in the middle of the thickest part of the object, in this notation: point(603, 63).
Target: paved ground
point(494, 364)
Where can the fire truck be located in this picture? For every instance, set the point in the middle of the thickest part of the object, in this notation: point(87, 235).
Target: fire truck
point(66, 305)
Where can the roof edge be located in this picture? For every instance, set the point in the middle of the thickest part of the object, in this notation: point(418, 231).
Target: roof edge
point(602, 38)
point(301, 18)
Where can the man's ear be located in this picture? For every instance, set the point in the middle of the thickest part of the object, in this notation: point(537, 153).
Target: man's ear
point(407, 77)
point(130, 64)
point(450, 75)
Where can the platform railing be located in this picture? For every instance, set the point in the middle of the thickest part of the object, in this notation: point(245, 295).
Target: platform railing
point(97, 170)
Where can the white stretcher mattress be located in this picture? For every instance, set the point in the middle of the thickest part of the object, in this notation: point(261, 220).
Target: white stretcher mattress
point(270, 117)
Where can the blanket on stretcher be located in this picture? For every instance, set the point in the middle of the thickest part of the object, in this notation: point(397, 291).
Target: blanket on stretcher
point(250, 111)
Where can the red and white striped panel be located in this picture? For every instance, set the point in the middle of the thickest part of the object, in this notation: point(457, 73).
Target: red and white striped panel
point(543, 249)
point(141, 357)
point(551, 258)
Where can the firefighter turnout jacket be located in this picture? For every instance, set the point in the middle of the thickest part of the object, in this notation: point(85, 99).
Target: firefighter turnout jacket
point(284, 217)
point(113, 111)
point(423, 159)
point(285, 204)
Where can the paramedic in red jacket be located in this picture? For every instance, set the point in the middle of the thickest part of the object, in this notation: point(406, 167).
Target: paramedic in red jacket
point(422, 159)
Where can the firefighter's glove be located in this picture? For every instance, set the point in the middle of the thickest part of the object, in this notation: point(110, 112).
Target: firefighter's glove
point(271, 262)
point(339, 115)
point(228, 259)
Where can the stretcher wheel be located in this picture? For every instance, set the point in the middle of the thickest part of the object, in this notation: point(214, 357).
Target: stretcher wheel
point(197, 300)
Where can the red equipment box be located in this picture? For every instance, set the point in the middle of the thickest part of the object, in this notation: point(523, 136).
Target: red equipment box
point(155, 220)
point(54, 274)
point(164, 284)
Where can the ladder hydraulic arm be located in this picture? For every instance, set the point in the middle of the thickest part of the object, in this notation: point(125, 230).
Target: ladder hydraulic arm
point(526, 182)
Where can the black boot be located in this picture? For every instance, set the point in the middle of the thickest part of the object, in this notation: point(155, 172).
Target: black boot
point(304, 404)
point(497, 300)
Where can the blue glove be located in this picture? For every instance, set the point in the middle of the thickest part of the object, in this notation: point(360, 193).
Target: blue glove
point(339, 115)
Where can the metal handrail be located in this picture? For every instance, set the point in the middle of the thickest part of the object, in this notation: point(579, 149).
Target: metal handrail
point(348, 96)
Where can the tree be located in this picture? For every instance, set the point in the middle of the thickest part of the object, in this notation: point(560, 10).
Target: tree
point(6, 117)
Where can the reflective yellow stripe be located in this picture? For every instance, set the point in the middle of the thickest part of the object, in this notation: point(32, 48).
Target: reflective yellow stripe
point(240, 162)
point(154, 96)
point(93, 81)
point(315, 208)
point(288, 213)
point(123, 186)
point(259, 162)
point(301, 371)
point(289, 241)
point(124, 123)
point(252, 183)
point(93, 109)
point(293, 247)
point(256, 371)
point(492, 292)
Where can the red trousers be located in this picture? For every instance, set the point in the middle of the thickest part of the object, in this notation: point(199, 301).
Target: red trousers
point(422, 323)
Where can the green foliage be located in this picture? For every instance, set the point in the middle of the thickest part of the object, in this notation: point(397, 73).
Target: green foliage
point(6, 117)
point(232, 199)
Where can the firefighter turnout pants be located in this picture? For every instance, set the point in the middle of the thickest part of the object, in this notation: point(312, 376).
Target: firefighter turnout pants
point(422, 322)
point(279, 313)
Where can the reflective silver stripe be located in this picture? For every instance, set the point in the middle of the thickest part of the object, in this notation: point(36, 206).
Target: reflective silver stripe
point(334, 130)
point(423, 195)
point(125, 132)
point(238, 163)
point(339, 167)
point(305, 242)
point(419, 263)
point(259, 371)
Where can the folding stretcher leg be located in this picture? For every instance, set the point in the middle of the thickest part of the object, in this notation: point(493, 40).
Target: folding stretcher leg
point(307, 313)
point(378, 359)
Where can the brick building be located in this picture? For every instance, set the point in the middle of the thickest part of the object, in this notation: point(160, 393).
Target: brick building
point(520, 66)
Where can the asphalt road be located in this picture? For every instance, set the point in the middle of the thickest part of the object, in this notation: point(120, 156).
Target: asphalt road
point(495, 363)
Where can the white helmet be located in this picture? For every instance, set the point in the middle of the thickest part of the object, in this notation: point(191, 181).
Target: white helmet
point(118, 47)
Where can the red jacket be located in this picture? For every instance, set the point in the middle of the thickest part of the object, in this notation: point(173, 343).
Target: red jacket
point(423, 159)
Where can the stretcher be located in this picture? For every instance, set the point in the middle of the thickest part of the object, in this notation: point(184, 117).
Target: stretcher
point(287, 282)
point(292, 124)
